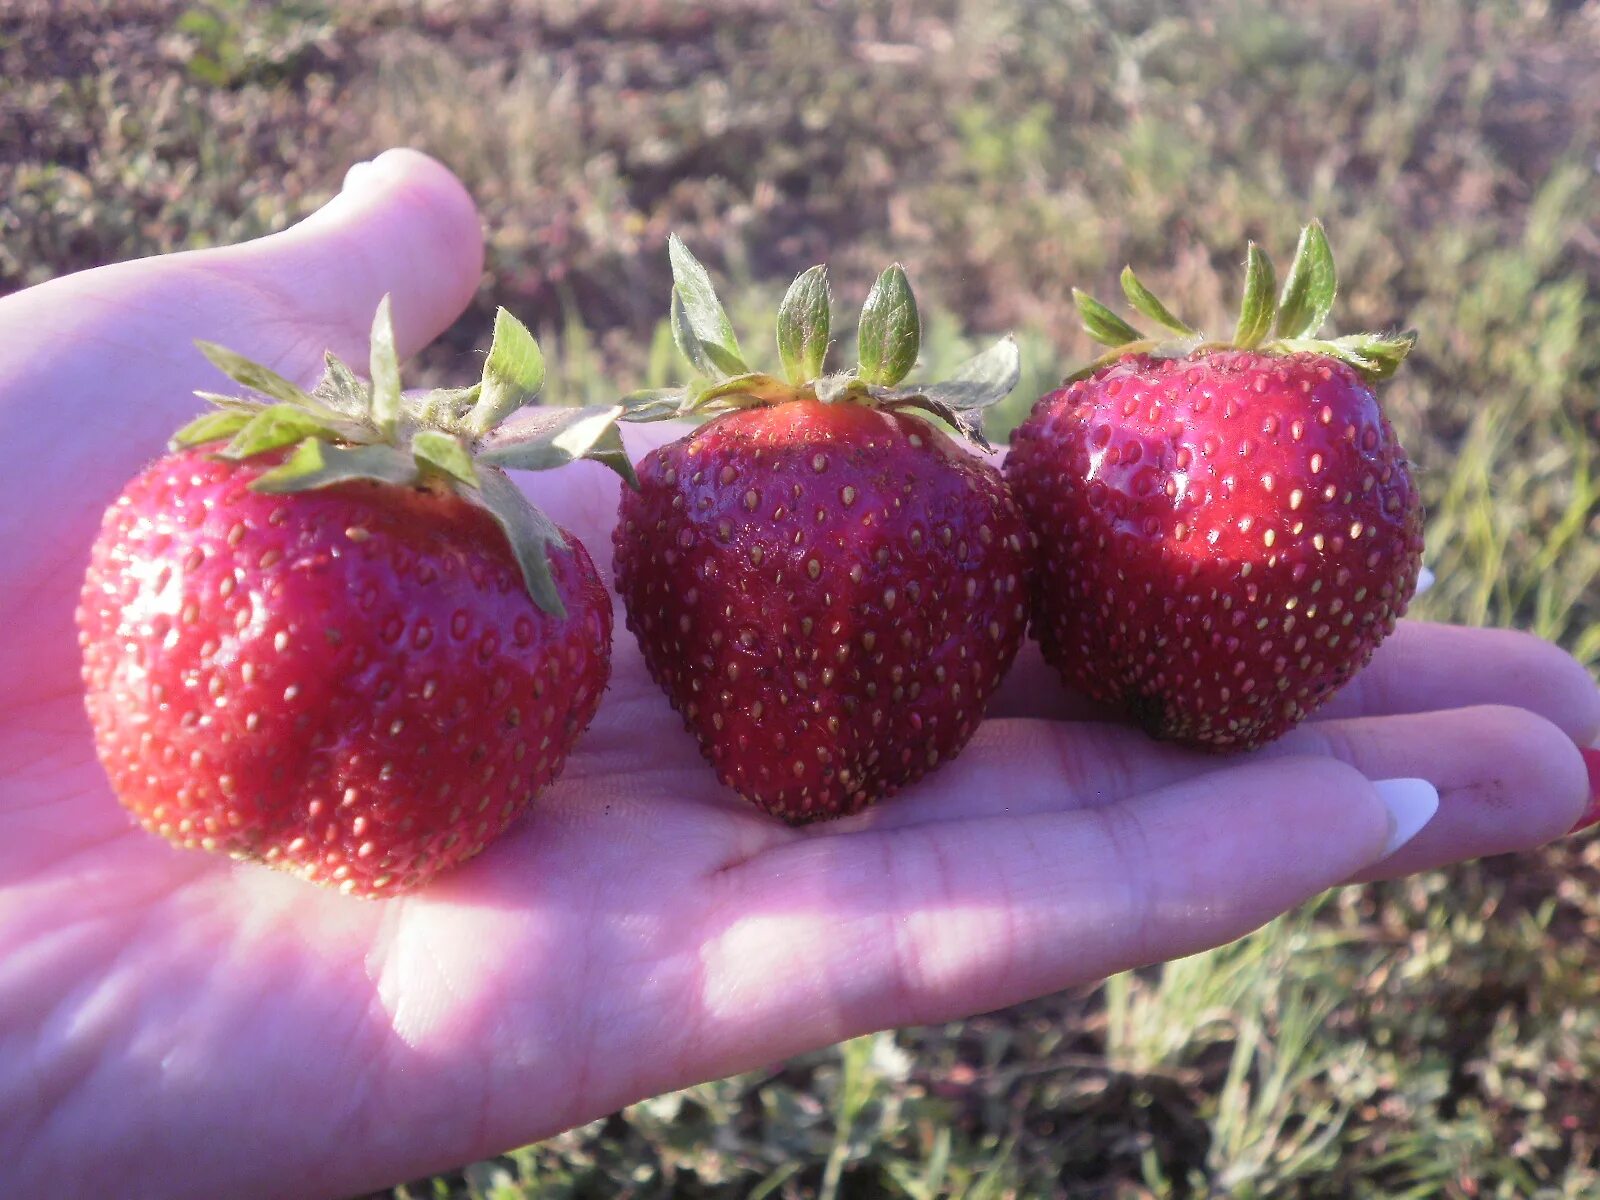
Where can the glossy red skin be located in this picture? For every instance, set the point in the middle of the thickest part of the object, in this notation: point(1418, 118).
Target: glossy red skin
point(1223, 540)
point(828, 593)
point(351, 684)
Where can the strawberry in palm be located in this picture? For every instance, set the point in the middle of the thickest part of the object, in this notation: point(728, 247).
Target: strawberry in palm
point(328, 633)
point(828, 587)
point(1226, 530)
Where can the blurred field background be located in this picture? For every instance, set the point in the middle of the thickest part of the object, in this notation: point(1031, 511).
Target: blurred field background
point(1437, 1037)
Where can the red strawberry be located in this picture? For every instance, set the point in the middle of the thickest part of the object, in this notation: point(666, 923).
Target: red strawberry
point(1226, 531)
point(359, 659)
point(828, 588)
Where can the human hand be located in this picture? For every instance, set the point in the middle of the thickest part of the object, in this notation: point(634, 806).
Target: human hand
point(174, 1023)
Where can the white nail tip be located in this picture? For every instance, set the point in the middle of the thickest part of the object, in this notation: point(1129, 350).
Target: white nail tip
point(1424, 580)
point(1411, 804)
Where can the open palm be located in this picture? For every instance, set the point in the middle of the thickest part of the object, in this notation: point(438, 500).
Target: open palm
point(174, 1023)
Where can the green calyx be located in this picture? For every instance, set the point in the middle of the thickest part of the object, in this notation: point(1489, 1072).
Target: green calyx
point(1285, 325)
point(455, 439)
point(888, 339)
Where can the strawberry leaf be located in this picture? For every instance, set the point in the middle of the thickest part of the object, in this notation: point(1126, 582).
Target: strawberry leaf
point(803, 325)
point(1255, 314)
point(211, 427)
point(1309, 290)
point(542, 438)
point(278, 426)
point(1144, 301)
point(385, 372)
point(700, 326)
point(530, 533)
point(316, 464)
point(445, 454)
point(512, 374)
point(1104, 326)
point(891, 331)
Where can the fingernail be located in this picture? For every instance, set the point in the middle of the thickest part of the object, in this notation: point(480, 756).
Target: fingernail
point(1411, 804)
point(1591, 815)
point(1424, 581)
point(354, 177)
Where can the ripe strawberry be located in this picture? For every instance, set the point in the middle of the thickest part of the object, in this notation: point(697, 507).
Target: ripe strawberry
point(1226, 531)
point(828, 588)
point(343, 643)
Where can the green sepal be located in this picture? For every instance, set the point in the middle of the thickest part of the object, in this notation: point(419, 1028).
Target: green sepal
point(444, 453)
point(341, 390)
point(1144, 301)
point(1374, 356)
point(967, 424)
point(255, 376)
point(1285, 325)
point(512, 374)
point(317, 464)
point(279, 426)
point(655, 404)
point(890, 334)
point(1104, 326)
point(983, 380)
point(384, 368)
point(248, 404)
point(211, 427)
point(1309, 290)
point(1385, 353)
point(530, 533)
point(833, 389)
point(543, 438)
point(700, 325)
point(446, 406)
point(757, 387)
point(688, 344)
point(1143, 346)
point(1255, 313)
point(804, 322)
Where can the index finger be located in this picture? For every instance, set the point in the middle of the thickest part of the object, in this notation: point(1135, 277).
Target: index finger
point(1422, 667)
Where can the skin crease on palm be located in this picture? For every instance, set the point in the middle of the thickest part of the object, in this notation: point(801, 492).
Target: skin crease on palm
point(174, 1023)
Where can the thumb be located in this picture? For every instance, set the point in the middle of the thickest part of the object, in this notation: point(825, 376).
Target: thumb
point(97, 369)
point(403, 225)
point(113, 348)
